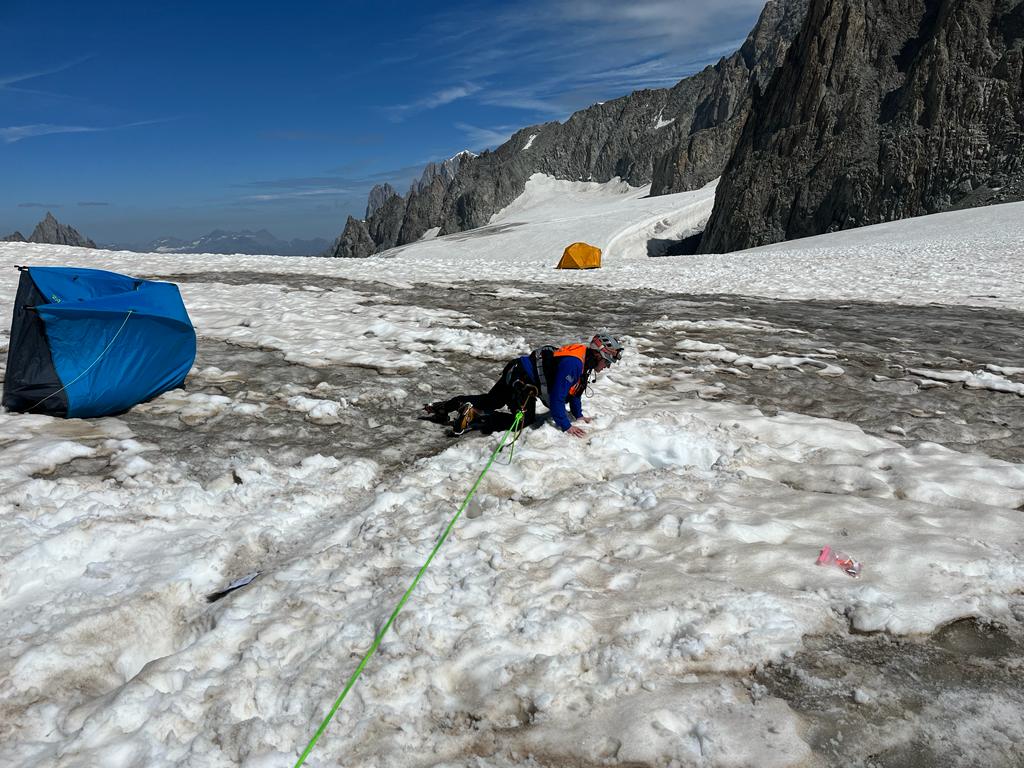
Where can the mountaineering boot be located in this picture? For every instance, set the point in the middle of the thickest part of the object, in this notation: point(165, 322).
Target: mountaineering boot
point(463, 419)
point(437, 411)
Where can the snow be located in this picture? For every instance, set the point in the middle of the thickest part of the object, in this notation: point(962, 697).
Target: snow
point(697, 350)
point(976, 380)
point(529, 142)
point(660, 123)
point(602, 599)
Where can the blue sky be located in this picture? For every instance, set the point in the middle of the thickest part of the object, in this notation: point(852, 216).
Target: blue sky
point(135, 120)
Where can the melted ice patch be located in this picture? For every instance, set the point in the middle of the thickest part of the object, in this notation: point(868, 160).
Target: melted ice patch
point(699, 350)
point(976, 380)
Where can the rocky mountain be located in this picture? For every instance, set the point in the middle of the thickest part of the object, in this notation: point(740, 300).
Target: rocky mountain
point(446, 170)
point(673, 138)
point(883, 109)
point(355, 240)
point(379, 195)
point(14, 237)
point(51, 231)
point(162, 245)
point(246, 241)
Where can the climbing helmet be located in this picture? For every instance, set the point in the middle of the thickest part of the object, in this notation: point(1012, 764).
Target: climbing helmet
point(608, 347)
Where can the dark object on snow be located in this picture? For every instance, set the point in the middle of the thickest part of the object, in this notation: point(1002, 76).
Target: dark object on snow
point(688, 246)
point(86, 343)
point(236, 584)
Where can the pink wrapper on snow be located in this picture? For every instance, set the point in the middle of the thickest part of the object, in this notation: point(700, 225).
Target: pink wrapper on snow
point(828, 556)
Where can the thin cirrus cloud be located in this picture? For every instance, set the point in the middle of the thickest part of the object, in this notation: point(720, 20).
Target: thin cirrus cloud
point(302, 135)
point(16, 133)
point(434, 100)
point(484, 138)
point(554, 59)
point(294, 195)
point(39, 205)
point(11, 82)
point(345, 181)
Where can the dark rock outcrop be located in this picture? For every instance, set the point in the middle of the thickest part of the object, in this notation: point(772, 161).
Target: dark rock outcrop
point(445, 170)
point(14, 237)
point(354, 242)
point(722, 101)
point(883, 109)
point(379, 195)
point(421, 208)
point(51, 231)
point(675, 138)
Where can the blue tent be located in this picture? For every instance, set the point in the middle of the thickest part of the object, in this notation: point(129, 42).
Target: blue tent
point(85, 342)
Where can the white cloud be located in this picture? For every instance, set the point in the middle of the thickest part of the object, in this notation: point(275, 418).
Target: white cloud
point(297, 194)
point(19, 132)
point(552, 59)
point(434, 100)
point(449, 95)
point(9, 82)
point(486, 138)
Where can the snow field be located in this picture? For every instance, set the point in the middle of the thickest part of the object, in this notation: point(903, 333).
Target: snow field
point(592, 588)
point(601, 600)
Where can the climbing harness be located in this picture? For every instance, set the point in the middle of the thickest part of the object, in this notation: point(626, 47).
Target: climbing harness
point(380, 635)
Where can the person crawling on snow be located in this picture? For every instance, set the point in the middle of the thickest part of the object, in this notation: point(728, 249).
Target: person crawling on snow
point(555, 376)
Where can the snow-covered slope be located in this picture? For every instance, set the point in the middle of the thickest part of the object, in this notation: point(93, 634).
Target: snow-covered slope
point(962, 257)
point(602, 601)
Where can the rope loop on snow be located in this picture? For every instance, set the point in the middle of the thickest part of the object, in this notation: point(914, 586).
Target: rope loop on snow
point(394, 614)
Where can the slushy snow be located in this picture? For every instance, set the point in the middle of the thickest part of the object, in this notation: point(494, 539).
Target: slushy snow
point(602, 599)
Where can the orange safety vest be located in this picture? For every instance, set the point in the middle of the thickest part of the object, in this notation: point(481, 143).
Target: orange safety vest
point(578, 351)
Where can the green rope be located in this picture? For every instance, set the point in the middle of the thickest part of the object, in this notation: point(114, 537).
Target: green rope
point(380, 635)
point(518, 427)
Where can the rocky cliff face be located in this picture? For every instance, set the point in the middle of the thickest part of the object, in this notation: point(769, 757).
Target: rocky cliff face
point(444, 170)
point(14, 237)
point(721, 102)
point(51, 231)
point(674, 138)
point(883, 109)
point(379, 195)
point(353, 242)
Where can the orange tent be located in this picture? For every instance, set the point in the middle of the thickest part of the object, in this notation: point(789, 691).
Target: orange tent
point(580, 256)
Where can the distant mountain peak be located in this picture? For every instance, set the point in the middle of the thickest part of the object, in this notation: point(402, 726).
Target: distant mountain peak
point(258, 242)
point(52, 232)
point(379, 195)
point(445, 170)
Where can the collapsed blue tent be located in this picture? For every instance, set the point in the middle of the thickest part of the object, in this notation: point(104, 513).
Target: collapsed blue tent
point(85, 342)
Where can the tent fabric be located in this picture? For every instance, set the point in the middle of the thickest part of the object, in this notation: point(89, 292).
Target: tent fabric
point(30, 377)
point(113, 341)
point(580, 256)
